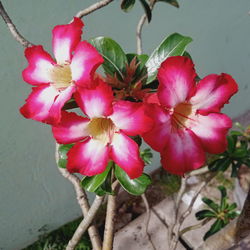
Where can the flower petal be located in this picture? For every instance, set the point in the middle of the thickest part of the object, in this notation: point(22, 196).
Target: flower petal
point(130, 117)
point(65, 39)
point(40, 64)
point(88, 158)
point(183, 153)
point(39, 102)
point(125, 153)
point(95, 102)
point(85, 61)
point(157, 137)
point(62, 98)
point(213, 92)
point(177, 79)
point(72, 128)
point(211, 131)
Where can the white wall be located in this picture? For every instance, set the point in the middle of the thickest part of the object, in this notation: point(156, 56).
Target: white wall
point(32, 192)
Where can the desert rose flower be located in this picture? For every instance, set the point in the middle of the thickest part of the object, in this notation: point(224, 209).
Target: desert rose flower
point(56, 81)
point(187, 115)
point(104, 134)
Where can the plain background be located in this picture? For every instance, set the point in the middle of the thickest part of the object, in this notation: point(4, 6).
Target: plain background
point(34, 197)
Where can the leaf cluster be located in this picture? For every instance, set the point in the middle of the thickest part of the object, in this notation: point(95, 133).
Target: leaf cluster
point(222, 212)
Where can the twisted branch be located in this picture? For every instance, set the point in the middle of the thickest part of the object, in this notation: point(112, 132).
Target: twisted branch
point(12, 28)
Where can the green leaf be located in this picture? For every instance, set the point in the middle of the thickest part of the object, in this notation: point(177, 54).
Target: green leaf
point(211, 204)
point(235, 167)
point(232, 215)
point(223, 191)
point(232, 206)
point(231, 143)
point(92, 183)
point(220, 164)
point(106, 187)
point(172, 2)
point(214, 228)
point(127, 5)
point(133, 186)
point(115, 60)
point(205, 214)
point(146, 9)
point(146, 155)
point(239, 153)
point(174, 45)
point(62, 154)
point(236, 133)
point(223, 202)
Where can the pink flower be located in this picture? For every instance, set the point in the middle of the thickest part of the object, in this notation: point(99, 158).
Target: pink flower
point(56, 81)
point(186, 115)
point(104, 134)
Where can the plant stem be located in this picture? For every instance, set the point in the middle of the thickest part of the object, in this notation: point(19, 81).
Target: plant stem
point(83, 226)
point(110, 219)
point(13, 30)
point(82, 201)
point(93, 8)
point(139, 29)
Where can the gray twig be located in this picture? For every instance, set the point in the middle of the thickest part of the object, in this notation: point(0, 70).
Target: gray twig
point(12, 28)
point(93, 8)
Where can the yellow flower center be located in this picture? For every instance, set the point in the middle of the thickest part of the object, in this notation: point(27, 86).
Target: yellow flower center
point(102, 129)
point(61, 76)
point(181, 115)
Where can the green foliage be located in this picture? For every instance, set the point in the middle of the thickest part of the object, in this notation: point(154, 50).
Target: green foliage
point(147, 9)
point(237, 153)
point(58, 239)
point(100, 183)
point(115, 60)
point(172, 2)
point(133, 186)
point(222, 212)
point(127, 5)
point(62, 154)
point(146, 155)
point(173, 45)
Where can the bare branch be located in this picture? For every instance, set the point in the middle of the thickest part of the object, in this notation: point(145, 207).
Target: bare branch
point(83, 226)
point(13, 30)
point(82, 201)
point(144, 198)
point(109, 222)
point(198, 171)
point(93, 8)
point(139, 29)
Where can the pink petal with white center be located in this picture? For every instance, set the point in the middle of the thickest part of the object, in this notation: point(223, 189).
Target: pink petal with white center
point(211, 131)
point(62, 98)
point(177, 80)
point(65, 39)
point(88, 158)
point(39, 102)
point(72, 128)
point(85, 61)
point(183, 153)
point(130, 117)
point(213, 92)
point(125, 153)
point(40, 64)
point(158, 136)
point(95, 102)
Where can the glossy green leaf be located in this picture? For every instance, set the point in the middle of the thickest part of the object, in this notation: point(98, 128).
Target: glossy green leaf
point(211, 204)
point(205, 214)
point(106, 187)
point(232, 206)
point(240, 153)
point(236, 133)
point(220, 164)
point(92, 183)
point(174, 45)
point(147, 9)
point(232, 215)
point(127, 5)
point(231, 143)
point(146, 155)
point(115, 60)
point(223, 202)
point(62, 154)
point(172, 2)
point(218, 224)
point(133, 186)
